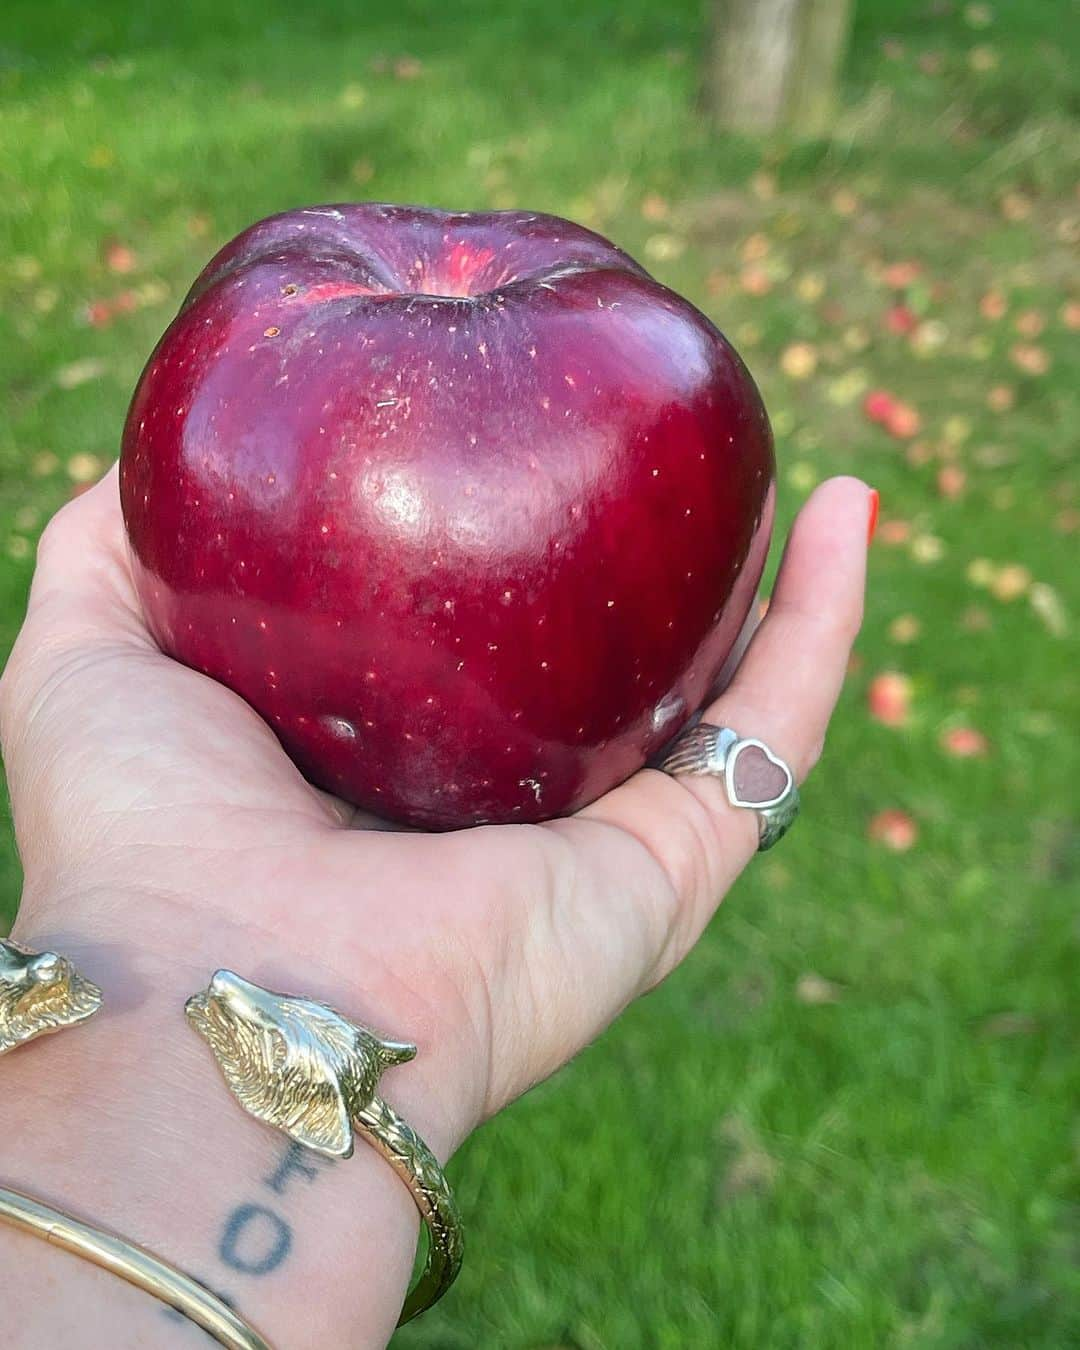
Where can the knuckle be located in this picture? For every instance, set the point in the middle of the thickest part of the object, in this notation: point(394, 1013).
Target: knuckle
point(854, 618)
point(812, 757)
point(56, 535)
point(15, 690)
point(840, 626)
point(7, 703)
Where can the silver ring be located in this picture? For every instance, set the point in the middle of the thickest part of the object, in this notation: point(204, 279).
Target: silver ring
point(754, 778)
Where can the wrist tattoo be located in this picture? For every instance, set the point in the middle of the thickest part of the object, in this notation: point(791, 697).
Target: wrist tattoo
point(297, 1161)
point(256, 1238)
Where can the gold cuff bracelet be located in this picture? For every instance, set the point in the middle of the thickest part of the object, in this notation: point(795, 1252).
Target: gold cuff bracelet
point(303, 1068)
point(293, 1063)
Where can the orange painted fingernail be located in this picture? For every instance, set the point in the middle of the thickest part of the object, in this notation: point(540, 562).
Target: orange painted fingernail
point(875, 502)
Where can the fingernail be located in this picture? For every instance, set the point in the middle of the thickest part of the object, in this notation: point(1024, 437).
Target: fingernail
point(875, 502)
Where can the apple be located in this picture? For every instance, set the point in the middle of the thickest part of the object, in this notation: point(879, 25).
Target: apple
point(878, 406)
point(467, 506)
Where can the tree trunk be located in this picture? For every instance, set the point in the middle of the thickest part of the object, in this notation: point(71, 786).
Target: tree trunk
point(815, 75)
point(775, 63)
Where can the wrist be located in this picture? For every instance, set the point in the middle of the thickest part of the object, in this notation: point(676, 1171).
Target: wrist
point(151, 948)
point(125, 1122)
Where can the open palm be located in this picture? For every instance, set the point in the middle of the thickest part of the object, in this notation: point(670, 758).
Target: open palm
point(151, 801)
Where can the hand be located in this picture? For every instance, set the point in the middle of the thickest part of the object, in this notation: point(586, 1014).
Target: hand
point(164, 833)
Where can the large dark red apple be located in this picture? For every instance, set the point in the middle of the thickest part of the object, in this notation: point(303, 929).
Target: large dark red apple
point(468, 507)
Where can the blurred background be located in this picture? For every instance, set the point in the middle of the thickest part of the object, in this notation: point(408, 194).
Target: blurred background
point(851, 1119)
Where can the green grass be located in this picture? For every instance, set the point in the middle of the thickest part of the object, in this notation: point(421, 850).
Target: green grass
point(735, 1164)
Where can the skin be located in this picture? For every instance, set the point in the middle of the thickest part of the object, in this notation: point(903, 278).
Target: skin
point(467, 507)
point(164, 834)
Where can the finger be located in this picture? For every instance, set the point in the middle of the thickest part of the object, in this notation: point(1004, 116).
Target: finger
point(627, 884)
point(82, 575)
point(783, 694)
point(81, 597)
point(92, 712)
point(787, 684)
point(742, 642)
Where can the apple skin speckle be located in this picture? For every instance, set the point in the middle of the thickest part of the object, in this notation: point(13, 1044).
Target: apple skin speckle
point(485, 455)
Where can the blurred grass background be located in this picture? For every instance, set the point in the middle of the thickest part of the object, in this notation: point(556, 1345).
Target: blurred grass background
point(851, 1120)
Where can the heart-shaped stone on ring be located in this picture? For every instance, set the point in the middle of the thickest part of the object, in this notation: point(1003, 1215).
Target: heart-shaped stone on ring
point(755, 777)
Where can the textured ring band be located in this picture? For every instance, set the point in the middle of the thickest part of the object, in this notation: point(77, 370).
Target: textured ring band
point(754, 778)
point(303, 1068)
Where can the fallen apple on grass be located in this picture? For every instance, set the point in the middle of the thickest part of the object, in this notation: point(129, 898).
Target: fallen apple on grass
point(468, 507)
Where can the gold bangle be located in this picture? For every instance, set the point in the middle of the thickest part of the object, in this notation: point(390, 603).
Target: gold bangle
point(293, 1063)
point(134, 1264)
point(303, 1068)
